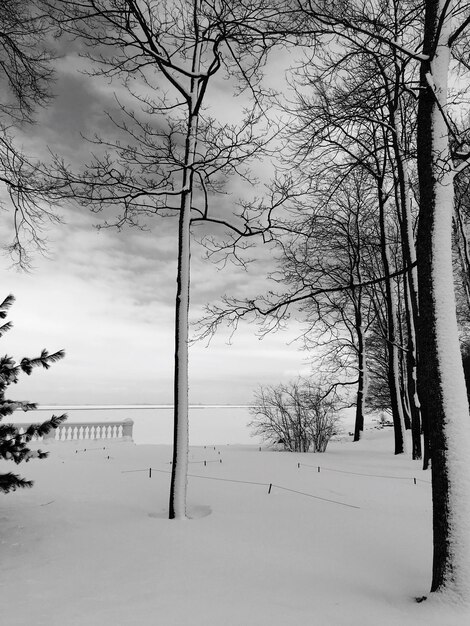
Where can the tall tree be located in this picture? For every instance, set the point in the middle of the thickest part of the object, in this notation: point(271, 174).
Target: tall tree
point(446, 421)
point(434, 47)
point(349, 99)
point(330, 247)
point(444, 396)
point(168, 155)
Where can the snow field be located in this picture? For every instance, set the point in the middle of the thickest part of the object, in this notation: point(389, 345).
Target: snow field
point(90, 544)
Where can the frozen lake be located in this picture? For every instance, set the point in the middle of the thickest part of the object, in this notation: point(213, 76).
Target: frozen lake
point(154, 424)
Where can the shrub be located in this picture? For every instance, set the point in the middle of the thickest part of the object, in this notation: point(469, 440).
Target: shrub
point(299, 415)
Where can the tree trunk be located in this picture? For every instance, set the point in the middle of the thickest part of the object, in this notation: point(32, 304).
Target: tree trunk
point(362, 378)
point(179, 468)
point(393, 370)
point(357, 300)
point(403, 354)
point(412, 377)
point(441, 379)
point(463, 250)
point(410, 279)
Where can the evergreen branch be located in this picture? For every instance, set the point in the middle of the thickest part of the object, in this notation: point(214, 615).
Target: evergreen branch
point(5, 328)
point(6, 304)
point(13, 442)
point(11, 482)
point(39, 430)
point(7, 407)
point(45, 360)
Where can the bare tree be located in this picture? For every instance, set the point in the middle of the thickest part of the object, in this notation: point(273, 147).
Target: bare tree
point(300, 415)
point(434, 47)
point(445, 414)
point(168, 156)
point(330, 246)
point(344, 115)
point(444, 399)
point(26, 75)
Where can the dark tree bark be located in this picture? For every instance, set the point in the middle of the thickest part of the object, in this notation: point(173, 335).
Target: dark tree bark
point(403, 202)
point(412, 377)
point(392, 337)
point(361, 379)
point(441, 379)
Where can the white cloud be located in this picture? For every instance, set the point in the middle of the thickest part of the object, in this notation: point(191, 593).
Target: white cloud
point(108, 298)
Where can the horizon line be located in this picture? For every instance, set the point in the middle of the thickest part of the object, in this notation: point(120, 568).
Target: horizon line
point(89, 407)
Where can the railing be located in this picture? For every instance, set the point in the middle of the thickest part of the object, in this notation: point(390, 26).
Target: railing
point(74, 431)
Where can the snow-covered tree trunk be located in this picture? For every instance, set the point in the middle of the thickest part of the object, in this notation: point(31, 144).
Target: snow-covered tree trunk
point(179, 473)
point(441, 379)
point(179, 468)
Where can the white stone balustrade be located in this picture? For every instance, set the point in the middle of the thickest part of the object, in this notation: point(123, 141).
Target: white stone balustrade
point(74, 431)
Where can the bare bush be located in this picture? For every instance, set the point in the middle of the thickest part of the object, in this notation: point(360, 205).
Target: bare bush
point(299, 415)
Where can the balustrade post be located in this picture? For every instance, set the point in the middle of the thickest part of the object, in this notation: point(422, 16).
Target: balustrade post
point(127, 427)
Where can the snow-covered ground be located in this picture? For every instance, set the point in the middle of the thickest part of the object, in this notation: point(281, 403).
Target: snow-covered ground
point(90, 544)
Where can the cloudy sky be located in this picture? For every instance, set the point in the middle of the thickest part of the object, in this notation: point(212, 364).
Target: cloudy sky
point(107, 298)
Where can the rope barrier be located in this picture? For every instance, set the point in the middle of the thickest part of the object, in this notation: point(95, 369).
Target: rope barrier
point(247, 482)
point(302, 493)
point(330, 469)
point(226, 480)
point(230, 480)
